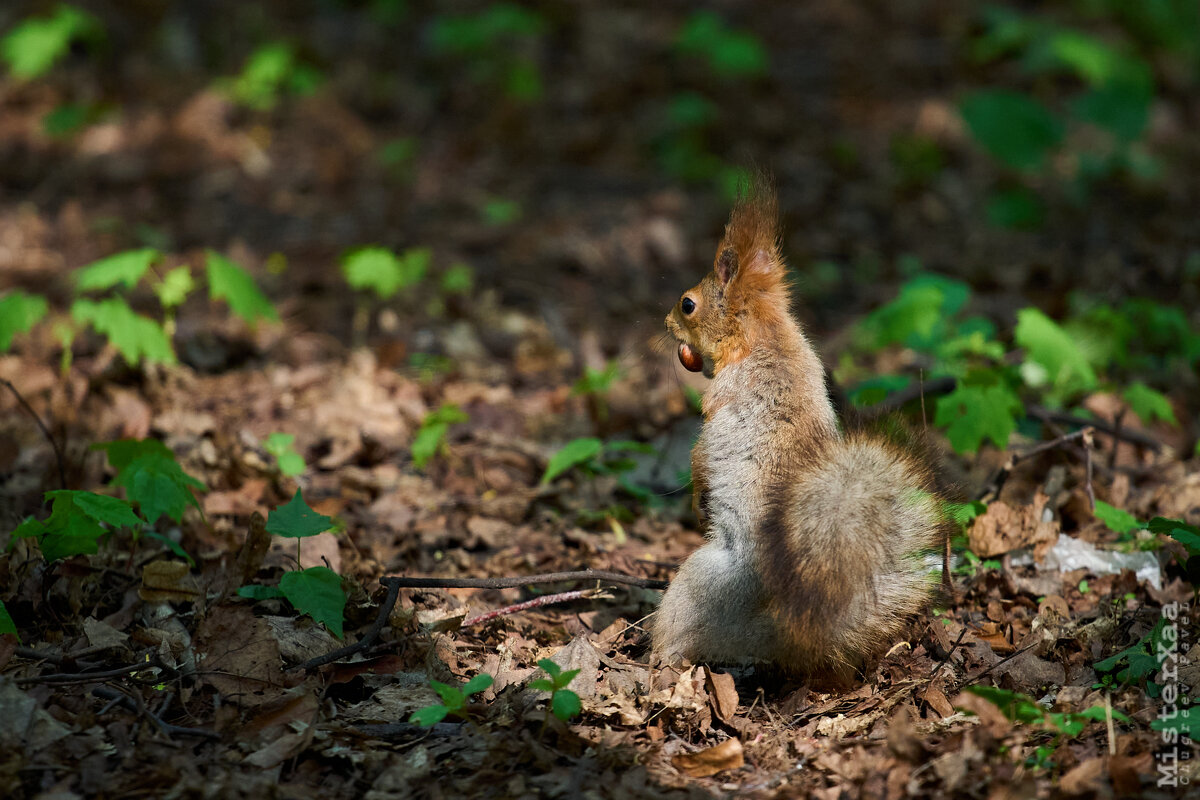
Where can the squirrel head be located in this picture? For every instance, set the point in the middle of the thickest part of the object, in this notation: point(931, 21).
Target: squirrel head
point(744, 301)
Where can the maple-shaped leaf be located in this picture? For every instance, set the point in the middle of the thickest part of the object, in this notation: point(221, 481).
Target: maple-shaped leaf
point(135, 337)
point(152, 478)
point(229, 282)
point(296, 520)
point(69, 530)
point(19, 312)
point(111, 510)
point(317, 591)
point(971, 414)
point(125, 268)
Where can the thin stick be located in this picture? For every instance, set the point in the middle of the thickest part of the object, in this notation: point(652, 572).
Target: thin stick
point(395, 583)
point(58, 456)
point(87, 677)
point(997, 482)
point(537, 602)
point(603, 576)
point(385, 611)
point(1134, 437)
point(135, 704)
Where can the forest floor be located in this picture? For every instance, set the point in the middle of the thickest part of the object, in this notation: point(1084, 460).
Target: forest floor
point(134, 678)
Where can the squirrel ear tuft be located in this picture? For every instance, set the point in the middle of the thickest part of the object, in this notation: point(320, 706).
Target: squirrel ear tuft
point(726, 266)
point(763, 262)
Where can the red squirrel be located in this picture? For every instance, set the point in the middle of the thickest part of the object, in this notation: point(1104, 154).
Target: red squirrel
point(816, 538)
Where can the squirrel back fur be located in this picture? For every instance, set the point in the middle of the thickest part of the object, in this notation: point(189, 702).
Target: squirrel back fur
point(816, 539)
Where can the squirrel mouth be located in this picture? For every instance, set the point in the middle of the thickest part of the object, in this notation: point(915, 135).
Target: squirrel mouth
point(690, 358)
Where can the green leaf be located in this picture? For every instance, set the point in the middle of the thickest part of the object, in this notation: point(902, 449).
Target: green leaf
point(125, 268)
point(259, 84)
point(176, 285)
point(542, 685)
point(427, 442)
point(279, 445)
point(383, 272)
point(227, 281)
point(123, 452)
point(1016, 209)
point(452, 696)
point(573, 453)
point(135, 337)
point(477, 684)
point(550, 667)
point(1014, 706)
point(1149, 405)
point(1100, 714)
point(35, 45)
point(1186, 721)
point(1116, 519)
point(69, 531)
point(296, 520)
point(111, 510)
point(964, 513)
point(151, 476)
point(1053, 348)
point(317, 591)
point(876, 390)
point(1180, 531)
point(565, 704)
point(458, 279)
point(428, 716)
point(730, 54)
point(1011, 126)
point(565, 678)
point(6, 623)
point(256, 591)
point(19, 312)
point(971, 414)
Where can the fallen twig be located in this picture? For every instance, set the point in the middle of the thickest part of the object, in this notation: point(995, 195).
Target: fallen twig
point(88, 677)
point(1117, 432)
point(368, 638)
point(395, 583)
point(537, 602)
point(992, 488)
point(602, 576)
point(58, 456)
point(134, 703)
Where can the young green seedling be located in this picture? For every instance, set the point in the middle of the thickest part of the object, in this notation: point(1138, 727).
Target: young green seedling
point(454, 701)
point(563, 702)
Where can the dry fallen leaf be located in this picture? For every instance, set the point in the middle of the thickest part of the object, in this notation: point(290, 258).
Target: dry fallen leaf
point(721, 757)
point(722, 695)
point(168, 582)
point(1003, 528)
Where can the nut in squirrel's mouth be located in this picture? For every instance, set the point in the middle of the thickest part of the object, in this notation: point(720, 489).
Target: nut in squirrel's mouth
point(690, 358)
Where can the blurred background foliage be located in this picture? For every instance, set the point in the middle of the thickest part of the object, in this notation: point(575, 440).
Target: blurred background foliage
point(1003, 194)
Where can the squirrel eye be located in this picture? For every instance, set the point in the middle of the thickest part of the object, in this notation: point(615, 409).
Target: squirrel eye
point(688, 305)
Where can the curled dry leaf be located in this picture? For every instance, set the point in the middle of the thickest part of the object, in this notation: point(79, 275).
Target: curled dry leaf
point(1003, 528)
point(724, 756)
